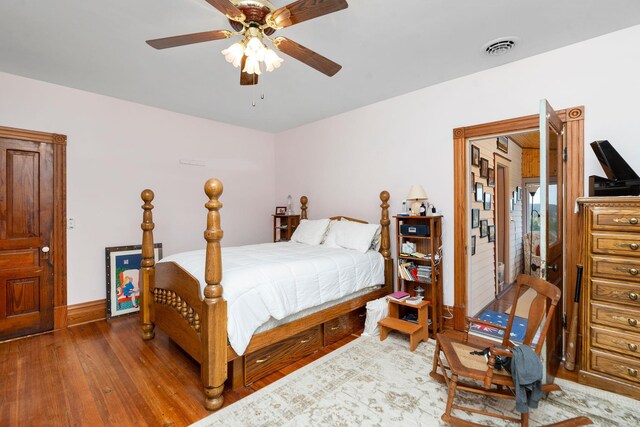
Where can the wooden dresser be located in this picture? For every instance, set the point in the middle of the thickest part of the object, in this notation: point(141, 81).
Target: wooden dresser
point(611, 294)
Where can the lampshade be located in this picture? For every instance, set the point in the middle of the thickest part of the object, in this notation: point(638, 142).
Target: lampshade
point(417, 193)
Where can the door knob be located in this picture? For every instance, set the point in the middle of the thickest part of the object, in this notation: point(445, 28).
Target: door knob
point(45, 249)
point(552, 267)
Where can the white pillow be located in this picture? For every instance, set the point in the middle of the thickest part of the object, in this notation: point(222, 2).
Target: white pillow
point(310, 232)
point(356, 236)
point(330, 238)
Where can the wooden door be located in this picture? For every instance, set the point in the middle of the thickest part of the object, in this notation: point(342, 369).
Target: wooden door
point(551, 224)
point(26, 227)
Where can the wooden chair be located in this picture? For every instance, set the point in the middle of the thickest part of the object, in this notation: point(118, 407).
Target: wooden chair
point(490, 381)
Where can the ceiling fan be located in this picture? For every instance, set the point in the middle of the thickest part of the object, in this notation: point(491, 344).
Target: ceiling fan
point(256, 21)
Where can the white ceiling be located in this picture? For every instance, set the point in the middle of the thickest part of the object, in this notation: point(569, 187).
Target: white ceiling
point(386, 48)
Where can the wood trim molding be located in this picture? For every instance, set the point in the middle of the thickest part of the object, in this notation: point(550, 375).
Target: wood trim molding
point(86, 312)
point(59, 235)
point(574, 131)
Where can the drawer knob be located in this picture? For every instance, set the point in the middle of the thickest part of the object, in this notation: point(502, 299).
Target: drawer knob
point(633, 322)
point(632, 372)
point(263, 360)
point(633, 296)
point(304, 341)
point(633, 246)
point(633, 347)
point(335, 328)
point(633, 220)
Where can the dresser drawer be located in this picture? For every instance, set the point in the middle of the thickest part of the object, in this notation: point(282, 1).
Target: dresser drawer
point(618, 317)
point(618, 219)
point(616, 292)
point(340, 327)
point(627, 244)
point(281, 354)
point(616, 268)
point(622, 342)
point(617, 366)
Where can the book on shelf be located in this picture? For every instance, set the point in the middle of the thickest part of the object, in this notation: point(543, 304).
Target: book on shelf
point(398, 296)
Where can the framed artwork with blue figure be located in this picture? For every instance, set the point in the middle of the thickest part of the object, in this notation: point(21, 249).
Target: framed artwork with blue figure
point(123, 273)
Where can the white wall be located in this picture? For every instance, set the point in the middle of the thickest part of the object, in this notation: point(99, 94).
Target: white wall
point(343, 162)
point(117, 148)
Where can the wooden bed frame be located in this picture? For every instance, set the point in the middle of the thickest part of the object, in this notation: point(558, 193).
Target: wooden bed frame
point(170, 299)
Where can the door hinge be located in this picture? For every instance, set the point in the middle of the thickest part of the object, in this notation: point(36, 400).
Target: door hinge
point(564, 154)
point(564, 320)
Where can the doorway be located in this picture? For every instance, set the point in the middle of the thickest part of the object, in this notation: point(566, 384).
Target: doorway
point(573, 122)
point(32, 232)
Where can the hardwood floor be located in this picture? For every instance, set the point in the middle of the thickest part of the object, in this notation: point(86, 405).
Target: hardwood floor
point(104, 374)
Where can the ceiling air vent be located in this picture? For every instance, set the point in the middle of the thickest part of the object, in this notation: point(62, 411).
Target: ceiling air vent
point(499, 47)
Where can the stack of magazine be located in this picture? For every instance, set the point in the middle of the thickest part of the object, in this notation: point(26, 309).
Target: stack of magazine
point(424, 273)
point(398, 296)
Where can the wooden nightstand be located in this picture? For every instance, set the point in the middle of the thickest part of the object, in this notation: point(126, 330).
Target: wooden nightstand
point(284, 226)
point(417, 331)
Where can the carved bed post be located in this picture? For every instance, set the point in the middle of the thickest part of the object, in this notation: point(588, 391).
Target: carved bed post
point(214, 307)
point(385, 240)
point(147, 267)
point(303, 208)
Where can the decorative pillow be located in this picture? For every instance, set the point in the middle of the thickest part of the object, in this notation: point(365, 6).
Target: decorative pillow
point(356, 236)
point(310, 232)
point(377, 238)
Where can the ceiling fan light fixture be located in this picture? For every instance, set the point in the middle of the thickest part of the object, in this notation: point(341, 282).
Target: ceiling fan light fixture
point(272, 60)
point(252, 65)
point(233, 54)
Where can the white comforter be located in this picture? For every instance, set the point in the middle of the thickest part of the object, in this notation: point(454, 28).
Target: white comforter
point(279, 279)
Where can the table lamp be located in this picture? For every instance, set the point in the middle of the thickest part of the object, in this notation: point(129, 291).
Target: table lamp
point(416, 193)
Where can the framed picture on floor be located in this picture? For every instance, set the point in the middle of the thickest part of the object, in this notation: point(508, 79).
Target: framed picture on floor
point(487, 201)
point(123, 271)
point(473, 245)
point(492, 233)
point(491, 178)
point(475, 218)
point(502, 144)
point(484, 168)
point(479, 191)
point(484, 228)
point(475, 156)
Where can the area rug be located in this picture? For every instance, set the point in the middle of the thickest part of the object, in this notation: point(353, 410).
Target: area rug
point(372, 383)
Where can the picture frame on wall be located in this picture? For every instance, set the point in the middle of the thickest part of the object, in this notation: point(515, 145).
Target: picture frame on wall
point(487, 201)
point(123, 272)
point(492, 233)
point(484, 228)
point(491, 178)
point(473, 245)
point(473, 181)
point(519, 193)
point(479, 191)
point(475, 218)
point(513, 205)
point(475, 155)
point(484, 168)
point(502, 144)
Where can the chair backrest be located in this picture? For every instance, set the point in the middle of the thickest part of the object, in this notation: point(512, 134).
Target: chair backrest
point(542, 308)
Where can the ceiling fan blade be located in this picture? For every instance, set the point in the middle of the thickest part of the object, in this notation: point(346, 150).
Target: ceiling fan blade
point(247, 79)
point(307, 56)
point(189, 39)
point(228, 9)
point(303, 10)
